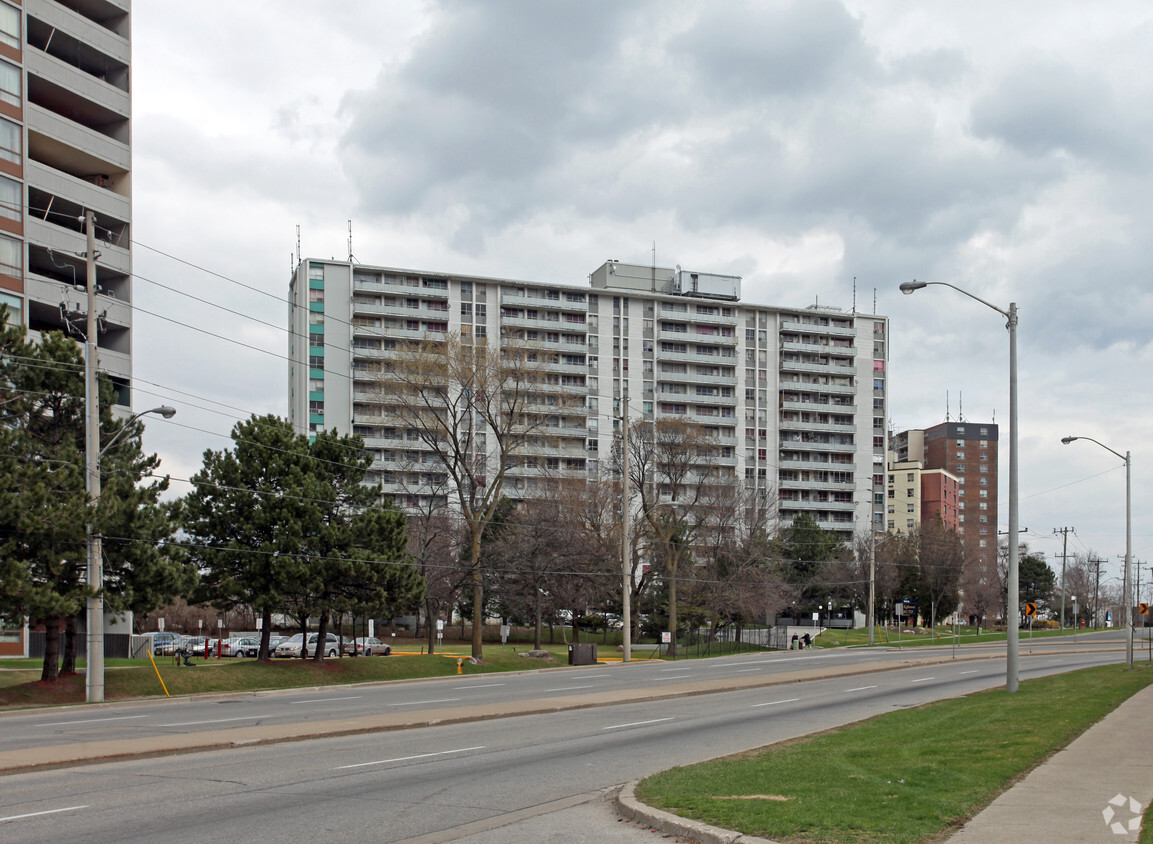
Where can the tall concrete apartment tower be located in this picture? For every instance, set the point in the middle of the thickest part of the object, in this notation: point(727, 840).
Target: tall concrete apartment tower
point(967, 450)
point(65, 147)
point(793, 398)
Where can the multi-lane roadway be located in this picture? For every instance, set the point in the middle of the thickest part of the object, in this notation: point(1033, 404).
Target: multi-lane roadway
point(595, 727)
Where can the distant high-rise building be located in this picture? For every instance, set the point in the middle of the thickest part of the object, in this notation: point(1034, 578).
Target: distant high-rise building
point(65, 148)
point(969, 451)
point(794, 399)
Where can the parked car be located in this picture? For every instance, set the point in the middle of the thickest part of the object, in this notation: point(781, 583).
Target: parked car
point(164, 643)
point(243, 646)
point(366, 647)
point(291, 646)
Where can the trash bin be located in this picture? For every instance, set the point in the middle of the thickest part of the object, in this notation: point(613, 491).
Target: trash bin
point(582, 653)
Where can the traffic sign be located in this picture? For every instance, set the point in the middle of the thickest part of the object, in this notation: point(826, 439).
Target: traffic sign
point(1030, 608)
point(1144, 609)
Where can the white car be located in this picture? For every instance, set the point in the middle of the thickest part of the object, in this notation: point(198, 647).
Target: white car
point(290, 647)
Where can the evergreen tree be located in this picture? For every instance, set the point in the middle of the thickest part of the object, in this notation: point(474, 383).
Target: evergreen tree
point(44, 508)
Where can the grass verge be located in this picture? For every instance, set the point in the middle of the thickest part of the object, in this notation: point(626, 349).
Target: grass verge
point(907, 776)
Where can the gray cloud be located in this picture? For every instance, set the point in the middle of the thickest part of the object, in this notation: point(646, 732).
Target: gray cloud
point(1046, 107)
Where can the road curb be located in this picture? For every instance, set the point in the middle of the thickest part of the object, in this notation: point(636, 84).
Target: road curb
point(702, 833)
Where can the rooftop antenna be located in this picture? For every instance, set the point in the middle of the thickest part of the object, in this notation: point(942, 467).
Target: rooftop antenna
point(351, 257)
point(653, 278)
point(854, 294)
point(960, 407)
point(298, 244)
point(874, 300)
point(948, 418)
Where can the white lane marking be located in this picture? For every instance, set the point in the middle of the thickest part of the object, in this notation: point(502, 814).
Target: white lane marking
point(410, 758)
point(90, 721)
point(214, 721)
point(326, 699)
point(37, 814)
point(743, 670)
point(591, 676)
point(636, 724)
point(423, 702)
point(974, 671)
point(666, 670)
point(861, 689)
point(775, 702)
point(480, 686)
point(923, 680)
point(572, 688)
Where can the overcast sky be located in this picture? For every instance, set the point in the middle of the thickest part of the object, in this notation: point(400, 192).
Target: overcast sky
point(1001, 147)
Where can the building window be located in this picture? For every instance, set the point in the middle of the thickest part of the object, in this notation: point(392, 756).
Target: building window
point(9, 26)
point(11, 199)
point(10, 87)
point(11, 141)
point(15, 307)
point(11, 256)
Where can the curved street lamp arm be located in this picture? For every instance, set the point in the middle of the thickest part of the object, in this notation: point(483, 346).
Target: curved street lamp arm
point(910, 286)
point(1067, 440)
point(164, 410)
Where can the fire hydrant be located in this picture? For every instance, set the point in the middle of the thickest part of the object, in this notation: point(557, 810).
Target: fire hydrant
point(459, 668)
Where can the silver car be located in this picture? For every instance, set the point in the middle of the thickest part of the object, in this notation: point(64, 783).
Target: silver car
point(290, 647)
point(366, 647)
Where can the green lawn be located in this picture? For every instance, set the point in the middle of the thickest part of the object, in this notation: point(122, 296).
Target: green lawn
point(908, 776)
point(123, 678)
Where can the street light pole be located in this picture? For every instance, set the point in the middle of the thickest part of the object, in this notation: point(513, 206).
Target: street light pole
point(1126, 598)
point(94, 607)
point(1012, 634)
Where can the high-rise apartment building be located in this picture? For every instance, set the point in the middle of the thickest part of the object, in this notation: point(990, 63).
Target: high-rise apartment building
point(969, 451)
point(65, 148)
point(794, 399)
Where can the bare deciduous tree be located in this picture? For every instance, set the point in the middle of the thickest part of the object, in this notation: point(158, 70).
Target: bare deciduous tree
point(476, 409)
point(671, 470)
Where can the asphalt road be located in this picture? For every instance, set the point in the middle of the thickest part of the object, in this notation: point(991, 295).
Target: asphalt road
point(184, 716)
point(456, 781)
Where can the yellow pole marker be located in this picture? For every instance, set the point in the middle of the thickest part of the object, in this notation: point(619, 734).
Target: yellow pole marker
point(157, 670)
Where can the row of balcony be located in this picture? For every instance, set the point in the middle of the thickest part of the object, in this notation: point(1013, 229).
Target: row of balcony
point(809, 328)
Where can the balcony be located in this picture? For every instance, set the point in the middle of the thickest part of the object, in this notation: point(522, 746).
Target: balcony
point(824, 368)
point(58, 84)
point(788, 325)
point(793, 425)
point(65, 240)
point(80, 29)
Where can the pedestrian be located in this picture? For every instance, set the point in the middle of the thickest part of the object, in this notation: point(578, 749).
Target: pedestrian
point(793, 644)
point(806, 641)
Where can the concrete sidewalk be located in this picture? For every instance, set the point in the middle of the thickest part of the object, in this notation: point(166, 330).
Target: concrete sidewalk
point(1066, 799)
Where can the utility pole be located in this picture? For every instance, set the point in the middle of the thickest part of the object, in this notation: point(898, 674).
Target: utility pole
point(94, 671)
point(626, 545)
point(1096, 591)
point(1064, 553)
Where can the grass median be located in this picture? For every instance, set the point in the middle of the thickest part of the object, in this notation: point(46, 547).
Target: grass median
point(906, 776)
